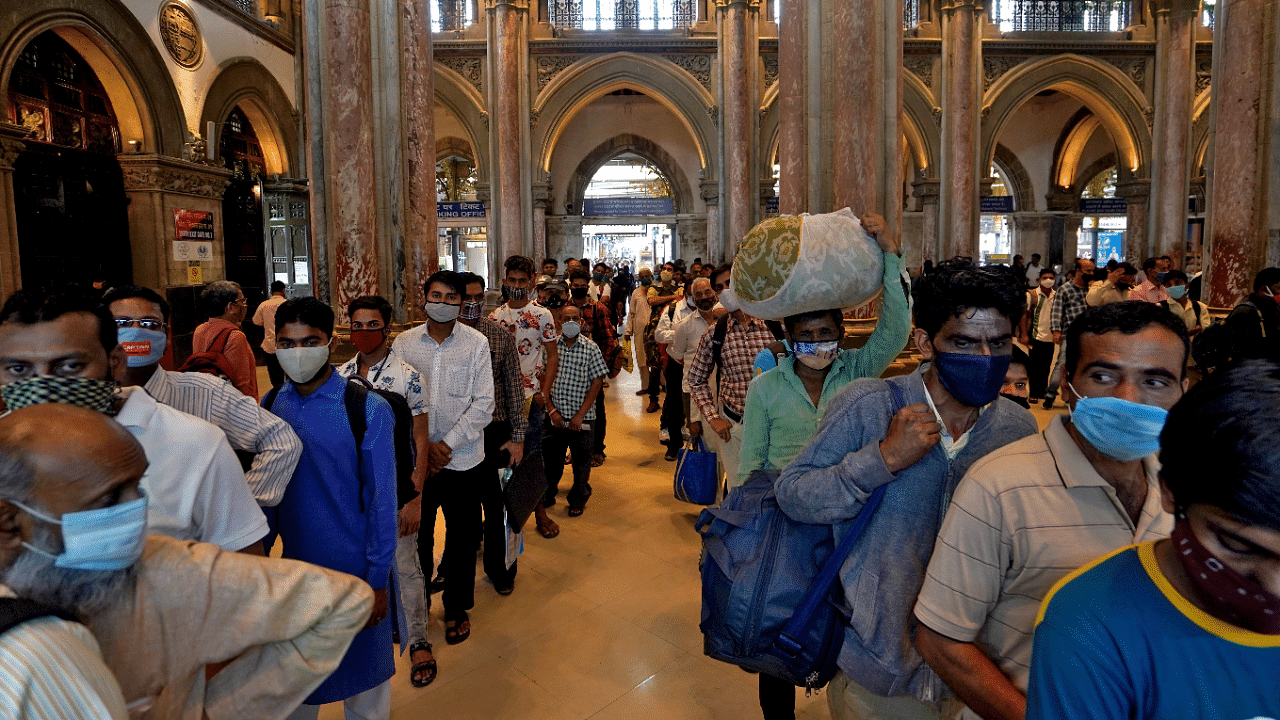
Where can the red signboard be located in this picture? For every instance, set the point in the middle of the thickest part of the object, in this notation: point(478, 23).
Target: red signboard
point(193, 224)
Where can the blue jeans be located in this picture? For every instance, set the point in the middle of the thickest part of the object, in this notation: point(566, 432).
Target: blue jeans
point(555, 441)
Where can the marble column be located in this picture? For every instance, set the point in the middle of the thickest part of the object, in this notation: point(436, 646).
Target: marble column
point(1175, 26)
point(924, 247)
point(512, 207)
point(1136, 193)
point(961, 98)
point(11, 146)
point(541, 199)
point(1243, 222)
point(866, 80)
point(793, 148)
point(739, 53)
point(417, 103)
point(710, 191)
point(351, 199)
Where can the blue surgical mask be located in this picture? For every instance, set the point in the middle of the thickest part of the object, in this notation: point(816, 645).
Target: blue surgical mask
point(1118, 428)
point(141, 346)
point(109, 538)
point(974, 380)
point(1177, 291)
point(600, 278)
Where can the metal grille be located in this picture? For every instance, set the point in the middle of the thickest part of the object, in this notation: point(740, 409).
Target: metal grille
point(621, 14)
point(1061, 15)
point(910, 14)
point(450, 15)
point(249, 7)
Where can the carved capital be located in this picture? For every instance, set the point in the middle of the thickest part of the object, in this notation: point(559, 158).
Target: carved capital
point(710, 191)
point(1135, 191)
point(927, 189)
point(484, 193)
point(541, 195)
point(159, 173)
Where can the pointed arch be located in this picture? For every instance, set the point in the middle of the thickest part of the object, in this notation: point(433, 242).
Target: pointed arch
point(924, 138)
point(770, 127)
point(1200, 132)
point(1109, 94)
point(467, 104)
point(645, 148)
point(246, 83)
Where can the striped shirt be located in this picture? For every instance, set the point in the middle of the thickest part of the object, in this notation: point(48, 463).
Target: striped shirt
point(248, 427)
point(508, 393)
point(1023, 518)
point(52, 669)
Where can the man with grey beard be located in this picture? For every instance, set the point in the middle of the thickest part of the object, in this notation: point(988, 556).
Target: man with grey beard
point(189, 631)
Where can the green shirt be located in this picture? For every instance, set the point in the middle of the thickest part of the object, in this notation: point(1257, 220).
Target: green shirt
point(780, 418)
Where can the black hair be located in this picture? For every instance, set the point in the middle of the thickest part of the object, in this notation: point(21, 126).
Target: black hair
point(1048, 271)
point(1148, 264)
point(371, 302)
point(277, 286)
point(1035, 256)
point(216, 296)
point(577, 273)
point(1128, 317)
point(1165, 257)
point(955, 286)
point(454, 280)
point(551, 261)
point(1175, 275)
point(1221, 443)
point(1020, 358)
point(722, 268)
point(1266, 277)
point(569, 260)
point(519, 263)
point(308, 311)
point(601, 264)
point(34, 306)
point(470, 277)
point(1129, 269)
point(790, 321)
point(124, 292)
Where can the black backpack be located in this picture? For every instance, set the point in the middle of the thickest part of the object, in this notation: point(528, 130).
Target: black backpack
point(1211, 347)
point(16, 611)
point(355, 398)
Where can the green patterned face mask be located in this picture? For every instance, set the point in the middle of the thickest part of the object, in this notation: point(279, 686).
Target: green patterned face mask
point(89, 393)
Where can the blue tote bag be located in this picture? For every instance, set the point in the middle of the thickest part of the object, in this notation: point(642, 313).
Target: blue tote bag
point(696, 476)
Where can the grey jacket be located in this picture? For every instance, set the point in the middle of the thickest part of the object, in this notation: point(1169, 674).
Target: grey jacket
point(829, 482)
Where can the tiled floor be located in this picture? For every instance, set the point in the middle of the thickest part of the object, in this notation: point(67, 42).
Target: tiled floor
point(603, 623)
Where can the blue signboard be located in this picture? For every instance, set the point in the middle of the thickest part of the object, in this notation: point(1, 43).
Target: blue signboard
point(459, 210)
point(1103, 206)
point(771, 206)
point(996, 204)
point(627, 206)
point(1110, 245)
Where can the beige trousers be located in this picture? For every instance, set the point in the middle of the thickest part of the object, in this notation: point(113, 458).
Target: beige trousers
point(850, 701)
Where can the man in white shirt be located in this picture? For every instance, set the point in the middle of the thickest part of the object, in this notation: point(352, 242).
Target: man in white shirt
point(678, 329)
point(142, 319)
point(1036, 333)
point(600, 290)
point(454, 362)
point(1034, 270)
point(265, 317)
point(61, 346)
point(637, 319)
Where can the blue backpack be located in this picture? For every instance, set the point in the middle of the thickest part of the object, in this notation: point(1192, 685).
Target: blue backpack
point(771, 602)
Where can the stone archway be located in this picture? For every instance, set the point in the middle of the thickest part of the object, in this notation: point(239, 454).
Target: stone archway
point(244, 82)
point(463, 99)
point(1018, 177)
point(641, 146)
point(920, 127)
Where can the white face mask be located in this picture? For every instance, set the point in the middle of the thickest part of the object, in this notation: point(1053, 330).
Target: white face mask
point(442, 312)
point(570, 329)
point(302, 364)
point(1047, 283)
point(729, 300)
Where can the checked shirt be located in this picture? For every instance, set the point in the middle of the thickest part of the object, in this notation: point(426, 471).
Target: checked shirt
point(742, 342)
point(580, 365)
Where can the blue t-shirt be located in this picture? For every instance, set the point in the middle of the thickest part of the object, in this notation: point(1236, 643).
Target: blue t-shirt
point(1116, 641)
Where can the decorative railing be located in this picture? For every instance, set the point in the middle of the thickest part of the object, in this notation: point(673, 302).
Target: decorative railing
point(451, 15)
point(1060, 15)
point(910, 14)
point(621, 14)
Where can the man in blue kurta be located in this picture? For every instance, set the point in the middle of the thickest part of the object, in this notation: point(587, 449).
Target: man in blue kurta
point(339, 510)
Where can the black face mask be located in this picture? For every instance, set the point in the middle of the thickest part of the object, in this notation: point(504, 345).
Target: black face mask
point(554, 302)
point(1018, 399)
point(646, 281)
point(578, 292)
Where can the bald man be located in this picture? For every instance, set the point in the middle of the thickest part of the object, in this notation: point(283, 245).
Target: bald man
point(72, 536)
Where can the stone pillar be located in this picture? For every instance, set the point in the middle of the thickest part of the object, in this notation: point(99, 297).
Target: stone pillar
point(1136, 193)
point(1244, 173)
point(1175, 26)
point(739, 54)
point(11, 146)
point(541, 199)
point(961, 97)
point(692, 234)
point(866, 67)
point(156, 185)
point(564, 236)
point(793, 148)
point(710, 190)
point(417, 103)
point(924, 247)
point(511, 224)
point(347, 114)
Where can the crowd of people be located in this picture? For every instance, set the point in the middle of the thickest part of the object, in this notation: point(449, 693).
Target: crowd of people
point(1122, 562)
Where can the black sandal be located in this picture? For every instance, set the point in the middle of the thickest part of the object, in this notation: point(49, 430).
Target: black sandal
point(452, 634)
point(426, 666)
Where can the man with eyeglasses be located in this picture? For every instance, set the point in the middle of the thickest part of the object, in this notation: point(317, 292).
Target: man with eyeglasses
point(225, 305)
point(142, 321)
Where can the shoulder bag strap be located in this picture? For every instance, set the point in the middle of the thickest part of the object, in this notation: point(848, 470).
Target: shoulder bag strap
point(356, 397)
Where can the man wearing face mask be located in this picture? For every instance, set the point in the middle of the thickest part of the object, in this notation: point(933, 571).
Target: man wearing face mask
point(1030, 512)
point(581, 375)
point(1036, 334)
point(142, 318)
point(681, 328)
point(1069, 302)
point(225, 305)
point(454, 362)
point(964, 321)
point(1193, 313)
point(637, 320)
point(598, 323)
point(1254, 325)
point(370, 318)
point(600, 290)
point(188, 631)
point(61, 347)
point(1189, 627)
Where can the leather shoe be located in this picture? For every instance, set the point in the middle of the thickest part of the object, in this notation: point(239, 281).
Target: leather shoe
point(1048, 403)
point(670, 456)
point(653, 407)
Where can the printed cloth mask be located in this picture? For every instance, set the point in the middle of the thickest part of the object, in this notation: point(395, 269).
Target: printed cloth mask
point(1247, 603)
point(554, 302)
point(1177, 291)
point(109, 538)
point(142, 346)
point(600, 278)
point(1118, 428)
point(89, 393)
point(974, 380)
point(366, 341)
point(514, 293)
point(1018, 399)
point(1272, 295)
point(729, 300)
point(1047, 283)
point(570, 329)
point(666, 276)
point(302, 364)
point(443, 312)
point(646, 280)
point(471, 310)
point(816, 355)
point(578, 292)
point(705, 304)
